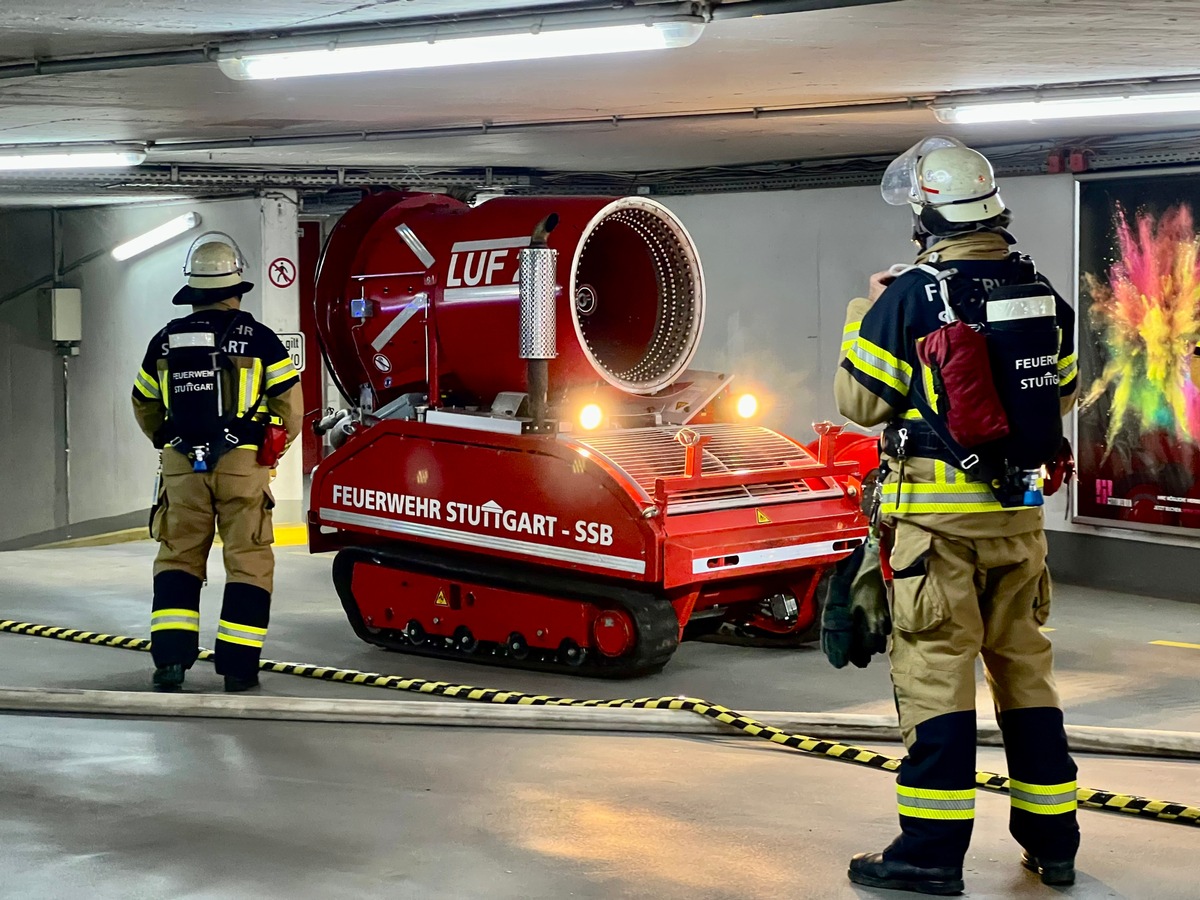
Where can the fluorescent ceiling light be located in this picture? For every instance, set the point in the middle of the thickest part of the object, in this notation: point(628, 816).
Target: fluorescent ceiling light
point(1066, 106)
point(331, 59)
point(15, 159)
point(156, 236)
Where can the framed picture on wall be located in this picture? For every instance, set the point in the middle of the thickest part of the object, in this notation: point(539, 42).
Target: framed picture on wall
point(1137, 436)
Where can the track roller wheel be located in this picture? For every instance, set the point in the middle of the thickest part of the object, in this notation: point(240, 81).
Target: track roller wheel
point(415, 632)
point(463, 640)
point(571, 654)
point(517, 646)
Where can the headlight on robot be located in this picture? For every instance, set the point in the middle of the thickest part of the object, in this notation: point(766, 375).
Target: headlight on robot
point(747, 406)
point(590, 417)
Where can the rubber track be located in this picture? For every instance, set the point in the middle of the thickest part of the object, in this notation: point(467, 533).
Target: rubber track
point(655, 621)
point(1089, 798)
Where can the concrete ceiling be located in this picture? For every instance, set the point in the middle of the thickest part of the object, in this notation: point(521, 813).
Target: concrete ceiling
point(911, 48)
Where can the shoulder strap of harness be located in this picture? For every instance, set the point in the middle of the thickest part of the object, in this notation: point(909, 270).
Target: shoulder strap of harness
point(968, 461)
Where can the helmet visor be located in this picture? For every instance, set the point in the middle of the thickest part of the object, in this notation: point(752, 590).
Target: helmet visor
point(236, 264)
point(900, 185)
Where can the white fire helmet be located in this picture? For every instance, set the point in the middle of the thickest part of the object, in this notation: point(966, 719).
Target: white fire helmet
point(943, 174)
point(214, 269)
point(214, 261)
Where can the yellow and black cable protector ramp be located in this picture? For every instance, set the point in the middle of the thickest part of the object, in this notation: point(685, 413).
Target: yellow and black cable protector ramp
point(1089, 798)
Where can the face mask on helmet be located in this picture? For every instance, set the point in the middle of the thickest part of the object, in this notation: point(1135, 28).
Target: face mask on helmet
point(943, 181)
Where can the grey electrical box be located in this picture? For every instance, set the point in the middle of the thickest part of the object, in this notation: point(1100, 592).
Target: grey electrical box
point(61, 315)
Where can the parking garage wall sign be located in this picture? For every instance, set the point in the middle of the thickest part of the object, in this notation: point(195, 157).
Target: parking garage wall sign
point(1138, 430)
point(282, 272)
point(293, 343)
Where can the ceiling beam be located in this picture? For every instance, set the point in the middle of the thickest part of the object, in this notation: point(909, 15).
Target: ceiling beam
point(193, 54)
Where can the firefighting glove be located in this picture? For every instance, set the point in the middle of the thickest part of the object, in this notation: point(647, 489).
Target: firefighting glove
point(872, 622)
point(837, 621)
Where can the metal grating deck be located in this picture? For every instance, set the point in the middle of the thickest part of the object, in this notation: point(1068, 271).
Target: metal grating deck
point(648, 454)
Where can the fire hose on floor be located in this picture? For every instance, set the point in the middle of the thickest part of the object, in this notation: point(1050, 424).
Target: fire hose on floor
point(1089, 798)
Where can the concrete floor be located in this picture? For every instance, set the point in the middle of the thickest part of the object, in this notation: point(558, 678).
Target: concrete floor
point(1108, 671)
point(100, 808)
point(129, 809)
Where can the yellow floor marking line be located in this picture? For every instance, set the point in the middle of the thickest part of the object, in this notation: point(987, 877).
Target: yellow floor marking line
point(291, 535)
point(1176, 644)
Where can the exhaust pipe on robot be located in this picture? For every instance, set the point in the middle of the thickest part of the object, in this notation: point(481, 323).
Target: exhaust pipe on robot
point(538, 266)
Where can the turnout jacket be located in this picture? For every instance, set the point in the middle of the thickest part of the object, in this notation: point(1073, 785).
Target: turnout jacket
point(265, 383)
point(879, 372)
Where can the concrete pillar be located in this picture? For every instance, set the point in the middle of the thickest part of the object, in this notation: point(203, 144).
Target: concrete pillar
point(281, 312)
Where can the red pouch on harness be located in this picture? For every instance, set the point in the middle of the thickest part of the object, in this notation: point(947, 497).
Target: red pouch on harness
point(274, 440)
point(957, 355)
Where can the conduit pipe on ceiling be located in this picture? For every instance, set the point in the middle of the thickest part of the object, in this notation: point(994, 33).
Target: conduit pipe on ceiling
point(402, 134)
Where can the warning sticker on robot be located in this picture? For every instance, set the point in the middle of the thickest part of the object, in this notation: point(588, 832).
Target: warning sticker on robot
point(489, 516)
point(441, 599)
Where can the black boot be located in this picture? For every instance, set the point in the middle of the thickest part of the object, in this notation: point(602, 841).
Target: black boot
point(873, 870)
point(168, 679)
point(235, 684)
point(1060, 873)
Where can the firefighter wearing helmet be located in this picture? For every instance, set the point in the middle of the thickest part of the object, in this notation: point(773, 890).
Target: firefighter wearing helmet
point(219, 395)
point(967, 357)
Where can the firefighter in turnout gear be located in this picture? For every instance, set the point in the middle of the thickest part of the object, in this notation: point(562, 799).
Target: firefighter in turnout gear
point(968, 551)
point(219, 395)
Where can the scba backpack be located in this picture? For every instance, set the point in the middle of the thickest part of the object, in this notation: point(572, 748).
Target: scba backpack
point(202, 423)
point(992, 394)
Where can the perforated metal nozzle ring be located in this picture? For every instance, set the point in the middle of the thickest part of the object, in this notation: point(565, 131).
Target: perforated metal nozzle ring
point(639, 328)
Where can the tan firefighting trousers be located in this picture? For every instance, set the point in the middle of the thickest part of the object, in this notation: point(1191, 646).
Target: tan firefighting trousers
point(235, 500)
point(956, 598)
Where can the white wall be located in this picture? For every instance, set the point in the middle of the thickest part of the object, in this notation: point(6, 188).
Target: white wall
point(780, 268)
point(30, 384)
point(112, 465)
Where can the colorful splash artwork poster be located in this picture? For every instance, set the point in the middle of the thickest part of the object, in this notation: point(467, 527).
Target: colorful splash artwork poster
point(1138, 430)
